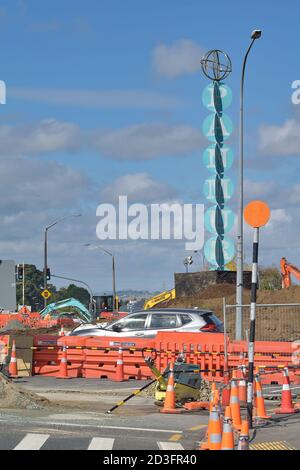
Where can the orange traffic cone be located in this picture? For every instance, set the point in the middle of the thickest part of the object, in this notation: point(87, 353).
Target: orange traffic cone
point(212, 394)
point(260, 402)
point(244, 436)
point(13, 366)
point(227, 436)
point(286, 406)
point(62, 331)
point(235, 404)
point(63, 368)
point(213, 433)
point(242, 386)
point(170, 399)
point(119, 377)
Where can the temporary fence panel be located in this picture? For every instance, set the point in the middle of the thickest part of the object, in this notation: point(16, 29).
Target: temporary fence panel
point(274, 322)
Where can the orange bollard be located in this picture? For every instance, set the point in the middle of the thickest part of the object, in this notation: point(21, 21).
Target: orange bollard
point(13, 366)
point(170, 399)
point(260, 402)
point(63, 368)
point(244, 436)
point(286, 406)
point(235, 404)
point(227, 436)
point(119, 377)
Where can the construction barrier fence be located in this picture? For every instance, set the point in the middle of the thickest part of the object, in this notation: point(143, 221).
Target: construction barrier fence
point(93, 357)
point(274, 322)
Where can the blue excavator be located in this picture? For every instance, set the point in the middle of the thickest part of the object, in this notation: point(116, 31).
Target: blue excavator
point(80, 309)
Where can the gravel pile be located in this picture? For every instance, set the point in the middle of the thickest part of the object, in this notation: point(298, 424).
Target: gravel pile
point(13, 396)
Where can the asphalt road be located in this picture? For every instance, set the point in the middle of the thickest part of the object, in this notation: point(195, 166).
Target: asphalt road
point(19, 433)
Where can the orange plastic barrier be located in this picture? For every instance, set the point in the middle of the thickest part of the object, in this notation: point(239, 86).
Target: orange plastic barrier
point(103, 363)
point(95, 357)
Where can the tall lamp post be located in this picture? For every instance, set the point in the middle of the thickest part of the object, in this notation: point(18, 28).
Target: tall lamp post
point(99, 247)
point(239, 275)
point(46, 246)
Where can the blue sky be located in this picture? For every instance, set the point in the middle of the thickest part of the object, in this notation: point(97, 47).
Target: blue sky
point(104, 94)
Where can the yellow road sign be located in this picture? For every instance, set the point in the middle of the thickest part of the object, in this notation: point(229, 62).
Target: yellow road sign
point(46, 294)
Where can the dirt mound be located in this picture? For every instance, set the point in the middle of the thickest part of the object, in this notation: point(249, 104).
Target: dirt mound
point(13, 325)
point(13, 396)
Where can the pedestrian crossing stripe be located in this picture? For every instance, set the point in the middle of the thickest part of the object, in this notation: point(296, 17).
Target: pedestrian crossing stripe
point(273, 445)
point(35, 441)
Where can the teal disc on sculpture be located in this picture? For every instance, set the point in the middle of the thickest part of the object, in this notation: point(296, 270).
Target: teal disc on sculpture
point(218, 159)
point(216, 97)
point(219, 221)
point(217, 128)
point(219, 252)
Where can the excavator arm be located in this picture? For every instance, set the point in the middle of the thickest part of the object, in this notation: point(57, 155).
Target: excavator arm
point(78, 306)
point(157, 299)
point(288, 269)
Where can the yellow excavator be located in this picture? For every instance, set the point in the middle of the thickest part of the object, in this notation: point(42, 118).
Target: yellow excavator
point(159, 298)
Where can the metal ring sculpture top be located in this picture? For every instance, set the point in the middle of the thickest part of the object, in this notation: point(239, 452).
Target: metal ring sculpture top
point(213, 67)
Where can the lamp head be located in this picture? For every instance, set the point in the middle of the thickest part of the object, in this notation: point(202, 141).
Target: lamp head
point(256, 34)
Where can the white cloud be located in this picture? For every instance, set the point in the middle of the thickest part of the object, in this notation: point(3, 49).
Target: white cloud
point(46, 136)
point(280, 140)
point(138, 187)
point(102, 99)
point(147, 141)
point(180, 58)
point(260, 189)
point(32, 185)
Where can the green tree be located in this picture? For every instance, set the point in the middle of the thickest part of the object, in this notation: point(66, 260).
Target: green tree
point(269, 278)
point(78, 293)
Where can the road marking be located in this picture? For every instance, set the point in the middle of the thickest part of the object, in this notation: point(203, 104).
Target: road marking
point(101, 443)
point(196, 428)
point(273, 445)
point(94, 426)
point(32, 442)
point(175, 437)
point(170, 446)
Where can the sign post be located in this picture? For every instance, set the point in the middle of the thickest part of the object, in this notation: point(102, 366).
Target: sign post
point(256, 214)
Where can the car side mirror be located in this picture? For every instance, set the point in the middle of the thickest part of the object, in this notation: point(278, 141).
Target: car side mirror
point(117, 328)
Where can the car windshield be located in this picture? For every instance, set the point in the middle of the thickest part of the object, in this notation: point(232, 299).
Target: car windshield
point(132, 322)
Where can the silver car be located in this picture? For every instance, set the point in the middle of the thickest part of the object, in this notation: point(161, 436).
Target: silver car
point(147, 323)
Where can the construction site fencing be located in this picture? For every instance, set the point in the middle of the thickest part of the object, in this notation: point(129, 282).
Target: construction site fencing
point(93, 357)
point(274, 322)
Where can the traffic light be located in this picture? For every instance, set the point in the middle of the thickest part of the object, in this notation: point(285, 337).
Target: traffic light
point(48, 274)
point(20, 272)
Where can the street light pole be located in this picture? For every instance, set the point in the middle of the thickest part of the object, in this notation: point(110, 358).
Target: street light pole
point(239, 265)
point(115, 305)
point(46, 247)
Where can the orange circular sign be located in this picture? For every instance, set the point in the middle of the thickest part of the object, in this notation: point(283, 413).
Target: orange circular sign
point(257, 213)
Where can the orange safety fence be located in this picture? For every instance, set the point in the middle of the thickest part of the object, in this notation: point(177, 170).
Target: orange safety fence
point(95, 357)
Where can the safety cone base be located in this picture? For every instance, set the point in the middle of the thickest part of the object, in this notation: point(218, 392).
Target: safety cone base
point(171, 411)
point(287, 411)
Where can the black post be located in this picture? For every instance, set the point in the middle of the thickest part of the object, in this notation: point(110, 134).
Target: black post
point(252, 327)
